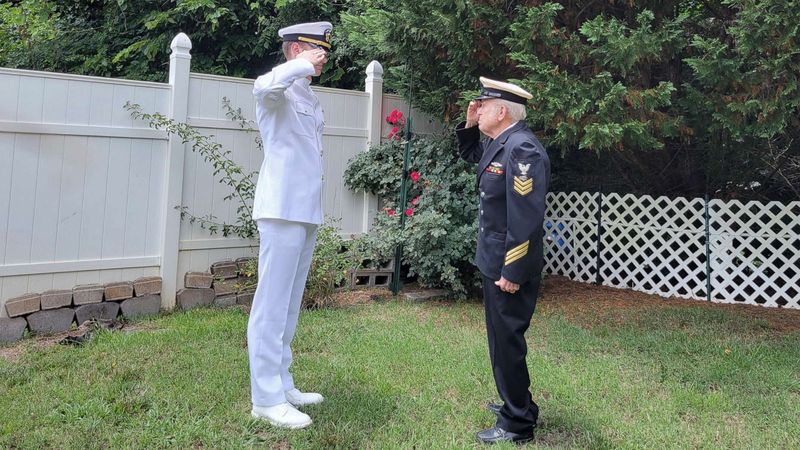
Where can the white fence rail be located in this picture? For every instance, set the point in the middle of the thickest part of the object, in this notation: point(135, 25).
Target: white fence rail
point(87, 194)
point(733, 253)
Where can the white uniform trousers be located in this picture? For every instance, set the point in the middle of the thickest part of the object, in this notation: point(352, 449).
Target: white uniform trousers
point(283, 262)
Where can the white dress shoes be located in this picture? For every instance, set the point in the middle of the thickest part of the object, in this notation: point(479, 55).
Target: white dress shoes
point(297, 398)
point(282, 415)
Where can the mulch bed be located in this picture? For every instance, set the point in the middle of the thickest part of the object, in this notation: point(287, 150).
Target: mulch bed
point(588, 303)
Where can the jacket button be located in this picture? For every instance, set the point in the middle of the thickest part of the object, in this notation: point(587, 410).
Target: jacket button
point(483, 194)
point(481, 212)
point(481, 229)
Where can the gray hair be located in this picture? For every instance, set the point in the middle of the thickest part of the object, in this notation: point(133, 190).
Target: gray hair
point(516, 111)
point(287, 48)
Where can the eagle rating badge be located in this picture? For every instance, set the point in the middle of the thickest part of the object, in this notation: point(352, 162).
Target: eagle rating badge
point(523, 184)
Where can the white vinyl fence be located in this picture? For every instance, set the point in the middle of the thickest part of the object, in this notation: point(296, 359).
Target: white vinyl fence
point(88, 195)
point(726, 252)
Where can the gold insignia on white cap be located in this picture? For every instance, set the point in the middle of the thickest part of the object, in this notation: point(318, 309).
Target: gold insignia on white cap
point(503, 90)
point(318, 33)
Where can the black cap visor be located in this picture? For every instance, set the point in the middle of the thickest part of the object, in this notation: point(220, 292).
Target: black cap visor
point(489, 93)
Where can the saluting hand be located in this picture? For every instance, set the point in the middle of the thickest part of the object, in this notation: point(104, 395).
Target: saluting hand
point(472, 114)
point(317, 56)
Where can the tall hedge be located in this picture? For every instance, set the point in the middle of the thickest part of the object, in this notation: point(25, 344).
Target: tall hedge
point(659, 97)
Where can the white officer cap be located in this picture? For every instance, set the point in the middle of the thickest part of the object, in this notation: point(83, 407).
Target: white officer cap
point(318, 33)
point(506, 91)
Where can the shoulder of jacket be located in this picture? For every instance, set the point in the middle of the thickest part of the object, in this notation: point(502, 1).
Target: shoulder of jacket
point(526, 146)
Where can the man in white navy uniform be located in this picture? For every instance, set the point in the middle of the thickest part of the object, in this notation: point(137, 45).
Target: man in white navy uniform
point(288, 210)
point(513, 178)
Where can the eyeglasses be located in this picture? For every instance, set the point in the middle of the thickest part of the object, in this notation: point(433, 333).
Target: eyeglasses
point(316, 46)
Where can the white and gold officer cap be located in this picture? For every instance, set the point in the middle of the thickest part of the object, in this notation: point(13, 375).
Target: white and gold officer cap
point(502, 90)
point(318, 33)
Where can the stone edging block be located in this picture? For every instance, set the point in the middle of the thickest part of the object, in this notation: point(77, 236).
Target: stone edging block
point(118, 290)
point(146, 286)
point(24, 304)
point(146, 305)
point(225, 269)
point(198, 280)
point(11, 330)
point(51, 320)
point(87, 293)
point(192, 298)
point(56, 299)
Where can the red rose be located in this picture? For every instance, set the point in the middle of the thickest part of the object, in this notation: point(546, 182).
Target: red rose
point(393, 117)
point(414, 176)
point(390, 212)
point(409, 212)
point(415, 201)
point(393, 134)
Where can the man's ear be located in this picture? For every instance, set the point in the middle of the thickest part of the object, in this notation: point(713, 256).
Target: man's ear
point(502, 112)
point(296, 49)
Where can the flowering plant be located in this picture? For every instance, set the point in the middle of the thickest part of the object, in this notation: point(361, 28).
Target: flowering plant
point(440, 212)
point(398, 121)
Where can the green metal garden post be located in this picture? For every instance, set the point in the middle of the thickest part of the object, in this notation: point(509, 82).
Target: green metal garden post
point(398, 253)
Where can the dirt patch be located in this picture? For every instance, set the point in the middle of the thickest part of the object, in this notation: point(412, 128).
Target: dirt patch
point(73, 336)
point(361, 296)
point(12, 353)
point(588, 304)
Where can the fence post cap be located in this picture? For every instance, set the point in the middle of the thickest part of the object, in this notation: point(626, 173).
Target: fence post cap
point(374, 68)
point(181, 42)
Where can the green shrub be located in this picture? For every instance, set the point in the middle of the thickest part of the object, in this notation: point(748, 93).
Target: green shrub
point(441, 213)
point(334, 258)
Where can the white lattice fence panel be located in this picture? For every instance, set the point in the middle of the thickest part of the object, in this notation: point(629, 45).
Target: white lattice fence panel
point(654, 245)
point(755, 251)
point(570, 235)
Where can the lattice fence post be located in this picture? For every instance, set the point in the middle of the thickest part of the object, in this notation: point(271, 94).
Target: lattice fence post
point(599, 218)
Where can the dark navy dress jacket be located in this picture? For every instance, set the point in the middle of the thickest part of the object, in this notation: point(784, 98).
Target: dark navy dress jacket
point(513, 179)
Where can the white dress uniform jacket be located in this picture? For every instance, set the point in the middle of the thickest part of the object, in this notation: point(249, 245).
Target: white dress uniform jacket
point(291, 121)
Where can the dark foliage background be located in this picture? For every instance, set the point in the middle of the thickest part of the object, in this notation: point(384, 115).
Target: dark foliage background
point(668, 97)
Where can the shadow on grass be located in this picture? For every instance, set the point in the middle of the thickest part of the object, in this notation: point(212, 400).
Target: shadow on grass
point(349, 418)
point(559, 431)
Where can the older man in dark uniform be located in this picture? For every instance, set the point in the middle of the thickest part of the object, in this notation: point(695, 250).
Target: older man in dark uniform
point(513, 178)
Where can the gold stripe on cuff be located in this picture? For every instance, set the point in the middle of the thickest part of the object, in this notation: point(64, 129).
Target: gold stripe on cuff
point(517, 252)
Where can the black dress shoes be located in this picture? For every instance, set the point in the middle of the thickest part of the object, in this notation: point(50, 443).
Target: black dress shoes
point(494, 407)
point(495, 434)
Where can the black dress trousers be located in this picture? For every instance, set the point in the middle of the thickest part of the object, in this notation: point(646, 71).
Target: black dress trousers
point(507, 318)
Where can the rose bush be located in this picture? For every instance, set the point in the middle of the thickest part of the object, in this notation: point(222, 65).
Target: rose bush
point(441, 211)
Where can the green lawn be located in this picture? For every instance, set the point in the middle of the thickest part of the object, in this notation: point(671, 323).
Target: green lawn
point(405, 375)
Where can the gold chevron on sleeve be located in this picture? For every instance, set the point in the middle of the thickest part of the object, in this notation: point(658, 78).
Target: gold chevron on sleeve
point(523, 187)
point(517, 252)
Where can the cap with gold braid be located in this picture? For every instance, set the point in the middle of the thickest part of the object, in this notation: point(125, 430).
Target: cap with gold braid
point(317, 33)
point(502, 90)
